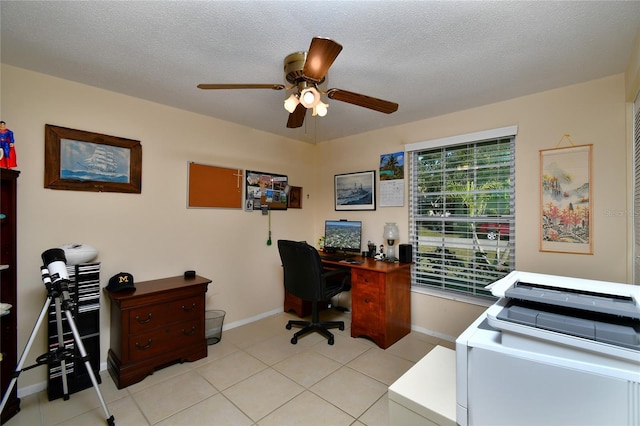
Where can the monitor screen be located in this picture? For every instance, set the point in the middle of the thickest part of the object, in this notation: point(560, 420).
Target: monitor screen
point(342, 235)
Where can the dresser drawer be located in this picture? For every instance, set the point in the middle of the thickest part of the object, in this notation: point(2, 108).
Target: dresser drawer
point(149, 317)
point(363, 278)
point(367, 311)
point(166, 338)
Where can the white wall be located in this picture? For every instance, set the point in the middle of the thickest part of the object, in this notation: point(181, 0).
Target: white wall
point(592, 113)
point(153, 235)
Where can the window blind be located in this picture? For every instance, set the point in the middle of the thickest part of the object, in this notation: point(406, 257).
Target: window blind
point(636, 191)
point(462, 212)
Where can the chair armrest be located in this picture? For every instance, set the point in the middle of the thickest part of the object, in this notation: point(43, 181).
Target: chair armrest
point(332, 275)
point(332, 272)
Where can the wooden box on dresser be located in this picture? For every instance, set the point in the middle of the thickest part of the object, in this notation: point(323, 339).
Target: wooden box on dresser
point(160, 322)
point(8, 289)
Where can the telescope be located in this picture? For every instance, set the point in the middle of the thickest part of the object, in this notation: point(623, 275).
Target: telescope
point(55, 275)
point(56, 279)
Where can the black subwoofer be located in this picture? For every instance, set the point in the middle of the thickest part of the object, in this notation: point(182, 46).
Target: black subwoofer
point(405, 253)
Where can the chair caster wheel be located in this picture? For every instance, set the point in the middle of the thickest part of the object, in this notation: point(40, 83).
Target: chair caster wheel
point(330, 341)
point(341, 327)
point(288, 326)
point(294, 340)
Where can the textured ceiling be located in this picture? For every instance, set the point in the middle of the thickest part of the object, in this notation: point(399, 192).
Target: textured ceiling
point(430, 57)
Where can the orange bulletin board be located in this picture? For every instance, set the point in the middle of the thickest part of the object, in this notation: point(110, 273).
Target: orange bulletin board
point(212, 186)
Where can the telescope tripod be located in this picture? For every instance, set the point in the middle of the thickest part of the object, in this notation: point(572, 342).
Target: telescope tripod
point(57, 292)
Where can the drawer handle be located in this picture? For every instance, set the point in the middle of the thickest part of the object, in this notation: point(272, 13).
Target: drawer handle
point(145, 347)
point(192, 308)
point(143, 321)
point(189, 333)
point(366, 280)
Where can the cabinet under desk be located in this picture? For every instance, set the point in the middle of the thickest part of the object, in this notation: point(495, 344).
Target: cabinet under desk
point(380, 299)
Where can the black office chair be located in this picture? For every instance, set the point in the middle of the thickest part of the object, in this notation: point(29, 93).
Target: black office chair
point(306, 278)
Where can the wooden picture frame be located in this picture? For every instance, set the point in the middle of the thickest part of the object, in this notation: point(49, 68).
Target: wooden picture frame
point(77, 160)
point(355, 191)
point(566, 217)
point(295, 197)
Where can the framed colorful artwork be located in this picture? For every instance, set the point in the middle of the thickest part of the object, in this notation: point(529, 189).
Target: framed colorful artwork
point(566, 219)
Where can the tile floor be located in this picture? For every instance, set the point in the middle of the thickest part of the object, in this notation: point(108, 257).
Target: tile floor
point(253, 376)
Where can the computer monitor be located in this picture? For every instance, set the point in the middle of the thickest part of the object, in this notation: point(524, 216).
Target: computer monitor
point(342, 236)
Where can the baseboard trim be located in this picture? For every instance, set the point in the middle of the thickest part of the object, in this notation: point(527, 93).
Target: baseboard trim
point(433, 333)
point(39, 387)
point(251, 319)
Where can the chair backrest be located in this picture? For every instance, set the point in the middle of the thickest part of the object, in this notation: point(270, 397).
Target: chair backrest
point(302, 270)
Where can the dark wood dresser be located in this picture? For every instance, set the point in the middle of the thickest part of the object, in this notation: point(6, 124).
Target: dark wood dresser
point(160, 322)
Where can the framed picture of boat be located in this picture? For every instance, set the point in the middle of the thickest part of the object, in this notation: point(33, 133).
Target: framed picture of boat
point(355, 191)
point(84, 161)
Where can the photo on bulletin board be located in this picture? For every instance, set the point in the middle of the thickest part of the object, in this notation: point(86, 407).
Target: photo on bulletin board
point(265, 190)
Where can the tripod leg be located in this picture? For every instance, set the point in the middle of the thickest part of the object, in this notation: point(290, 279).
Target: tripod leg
point(87, 364)
point(23, 357)
point(61, 346)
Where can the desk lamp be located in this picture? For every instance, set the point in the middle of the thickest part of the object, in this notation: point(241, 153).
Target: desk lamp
point(391, 234)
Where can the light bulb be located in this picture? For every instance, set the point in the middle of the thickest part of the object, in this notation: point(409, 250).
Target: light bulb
point(291, 103)
point(320, 109)
point(309, 97)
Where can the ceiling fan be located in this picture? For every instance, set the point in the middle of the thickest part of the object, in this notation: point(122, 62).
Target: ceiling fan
point(306, 71)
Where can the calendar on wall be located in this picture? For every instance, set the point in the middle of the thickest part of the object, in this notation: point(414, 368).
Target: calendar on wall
point(392, 180)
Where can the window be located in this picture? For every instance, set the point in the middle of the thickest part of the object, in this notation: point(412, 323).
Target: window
point(462, 211)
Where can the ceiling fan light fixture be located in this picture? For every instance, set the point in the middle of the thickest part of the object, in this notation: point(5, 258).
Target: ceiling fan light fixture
point(307, 74)
point(309, 97)
point(291, 103)
point(320, 109)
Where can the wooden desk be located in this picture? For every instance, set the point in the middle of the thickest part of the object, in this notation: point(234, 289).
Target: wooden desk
point(380, 299)
point(161, 322)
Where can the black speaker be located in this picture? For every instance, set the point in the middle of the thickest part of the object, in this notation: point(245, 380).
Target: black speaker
point(406, 255)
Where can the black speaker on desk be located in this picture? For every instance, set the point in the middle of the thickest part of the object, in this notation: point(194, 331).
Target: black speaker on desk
point(405, 253)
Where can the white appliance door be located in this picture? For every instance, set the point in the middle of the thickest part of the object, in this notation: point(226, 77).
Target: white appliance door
point(509, 390)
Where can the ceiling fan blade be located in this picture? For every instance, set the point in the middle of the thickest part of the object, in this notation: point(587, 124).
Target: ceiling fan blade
point(322, 53)
point(240, 86)
point(362, 100)
point(296, 118)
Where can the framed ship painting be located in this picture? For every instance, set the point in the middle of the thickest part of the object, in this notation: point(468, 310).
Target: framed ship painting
point(83, 161)
point(355, 191)
point(566, 219)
